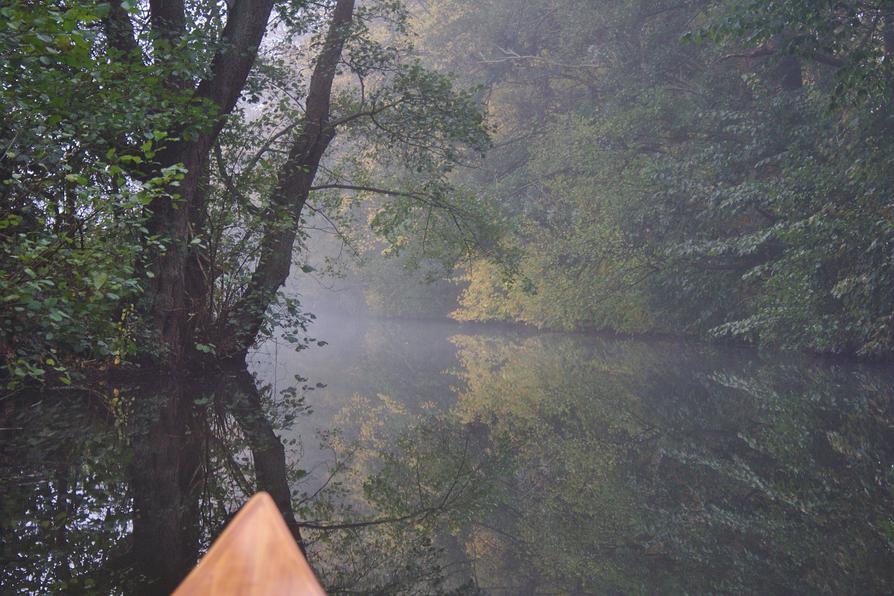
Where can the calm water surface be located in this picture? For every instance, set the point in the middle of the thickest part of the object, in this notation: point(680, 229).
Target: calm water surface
point(436, 458)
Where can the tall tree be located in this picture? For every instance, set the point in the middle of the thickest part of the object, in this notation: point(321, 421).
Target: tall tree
point(168, 167)
point(711, 168)
point(171, 215)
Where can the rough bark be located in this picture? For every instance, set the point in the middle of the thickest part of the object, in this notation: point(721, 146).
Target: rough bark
point(119, 30)
point(167, 290)
point(788, 71)
point(168, 19)
point(291, 192)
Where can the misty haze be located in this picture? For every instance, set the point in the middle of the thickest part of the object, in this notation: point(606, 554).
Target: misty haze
point(447, 297)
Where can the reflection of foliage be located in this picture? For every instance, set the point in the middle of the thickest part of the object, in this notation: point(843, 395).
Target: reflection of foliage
point(120, 493)
point(64, 510)
point(562, 463)
point(638, 468)
point(419, 479)
point(128, 503)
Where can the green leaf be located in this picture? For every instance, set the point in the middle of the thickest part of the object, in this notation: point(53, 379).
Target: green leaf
point(76, 178)
point(99, 279)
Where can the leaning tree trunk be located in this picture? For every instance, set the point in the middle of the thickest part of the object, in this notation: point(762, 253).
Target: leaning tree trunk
point(290, 194)
point(175, 304)
point(268, 453)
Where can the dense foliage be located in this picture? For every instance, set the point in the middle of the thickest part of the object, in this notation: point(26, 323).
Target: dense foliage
point(708, 167)
point(74, 130)
point(159, 163)
point(712, 168)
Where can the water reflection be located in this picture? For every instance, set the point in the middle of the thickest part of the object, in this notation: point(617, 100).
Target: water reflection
point(453, 461)
point(119, 488)
point(615, 466)
point(645, 467)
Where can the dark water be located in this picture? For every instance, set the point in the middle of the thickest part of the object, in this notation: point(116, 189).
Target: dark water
point(441, 459)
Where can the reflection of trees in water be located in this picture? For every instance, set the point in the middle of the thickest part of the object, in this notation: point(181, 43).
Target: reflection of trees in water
point(636, 468)
point(558, 464)
point(130, 487)
point(202, 450)
point(623, 466)
point(123, 491)
point(65, 513)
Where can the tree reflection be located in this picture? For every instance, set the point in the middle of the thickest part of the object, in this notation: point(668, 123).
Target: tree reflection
point(539, 464)
point(638, 467)
point(167, 439)
point(65, 509)
point(626, 466)
point(122, 488)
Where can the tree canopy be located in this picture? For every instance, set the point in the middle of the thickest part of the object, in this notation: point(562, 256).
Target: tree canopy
point(160, 160)
point(710, 168)
point(706, 168)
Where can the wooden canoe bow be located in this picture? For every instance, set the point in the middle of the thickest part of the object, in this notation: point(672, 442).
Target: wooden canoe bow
point(255, 555)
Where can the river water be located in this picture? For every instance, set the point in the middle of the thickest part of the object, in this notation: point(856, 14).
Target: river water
point(431, 457)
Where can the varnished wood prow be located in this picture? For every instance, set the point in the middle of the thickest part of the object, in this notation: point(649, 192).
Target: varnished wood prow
point(255, 555)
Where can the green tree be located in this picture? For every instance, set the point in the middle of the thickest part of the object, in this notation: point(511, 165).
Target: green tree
point(707, 168)
point(156, 178)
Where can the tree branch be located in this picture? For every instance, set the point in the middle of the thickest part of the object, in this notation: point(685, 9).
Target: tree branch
point(365, 113)
point(290, 195)
point(119, 30)
point(168, 19)
point(246, 23)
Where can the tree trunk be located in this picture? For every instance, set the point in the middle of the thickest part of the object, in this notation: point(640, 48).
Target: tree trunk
point(170, 221)
point(167, 290)
point(788, 71)
point(290, 194)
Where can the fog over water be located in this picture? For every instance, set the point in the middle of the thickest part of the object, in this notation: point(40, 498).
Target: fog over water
point(485, 459)
point(610, 462)
point(503, 297)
